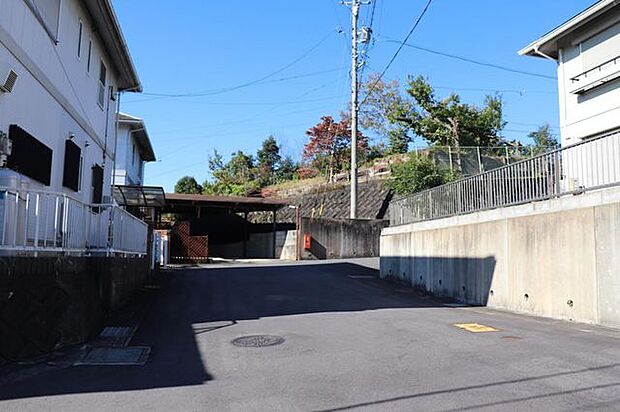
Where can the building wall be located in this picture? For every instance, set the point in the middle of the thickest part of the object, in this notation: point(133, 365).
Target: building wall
point(129, 169)
point(598, 110)
point(553, 258)
point(55, 95)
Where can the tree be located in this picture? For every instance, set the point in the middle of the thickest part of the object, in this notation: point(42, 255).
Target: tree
point(328, 147)
point(418, 173)
point(269, 154)
point(449, 122)
point(384, 103)
point(287, 170)
point(237, 177)
point(544, 140)
point(187, 185)
point(269, 161)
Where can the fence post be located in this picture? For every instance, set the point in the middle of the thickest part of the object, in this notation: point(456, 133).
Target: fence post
point(480, 168)
point(36, 222)
point(450, 158)
point(5, 211)
point(430, 204)
point(558, 175)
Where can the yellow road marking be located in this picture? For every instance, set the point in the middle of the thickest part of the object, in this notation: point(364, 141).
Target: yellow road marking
point(475, 327)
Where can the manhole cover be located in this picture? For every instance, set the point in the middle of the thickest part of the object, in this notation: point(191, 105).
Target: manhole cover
point(258, 341)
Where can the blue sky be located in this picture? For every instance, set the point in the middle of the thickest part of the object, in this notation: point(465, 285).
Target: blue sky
point(200, 46)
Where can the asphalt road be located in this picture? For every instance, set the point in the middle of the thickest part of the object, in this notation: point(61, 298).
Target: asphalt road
point(352, 342)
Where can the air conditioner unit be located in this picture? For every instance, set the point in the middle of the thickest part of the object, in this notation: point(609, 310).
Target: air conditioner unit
point(8, 77)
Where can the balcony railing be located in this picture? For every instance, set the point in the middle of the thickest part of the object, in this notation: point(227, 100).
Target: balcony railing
point(589, 165)
point(37, 221)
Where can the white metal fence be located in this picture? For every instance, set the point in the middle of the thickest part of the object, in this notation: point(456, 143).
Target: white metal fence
point(588, 165)
point(32, 220)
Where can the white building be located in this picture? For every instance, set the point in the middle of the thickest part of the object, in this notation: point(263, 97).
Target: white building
point(587, 51)
point(63, 64)
point(71, 61)
point(133, 151)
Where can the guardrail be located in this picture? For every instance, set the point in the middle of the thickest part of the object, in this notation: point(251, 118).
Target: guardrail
point(35, 220)
point(588, 165)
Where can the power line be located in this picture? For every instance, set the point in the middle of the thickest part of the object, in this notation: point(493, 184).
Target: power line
point(283, 79)
point(279, 103)
point(415, 26)
point(473, 61)
point(519, 92)
point(247, 84)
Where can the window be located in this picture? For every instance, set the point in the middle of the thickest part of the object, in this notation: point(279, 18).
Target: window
point(72, 166)
point(79, 50)
point(102, 79)
point(97, 184)
point(90, 51)
point(29, 156)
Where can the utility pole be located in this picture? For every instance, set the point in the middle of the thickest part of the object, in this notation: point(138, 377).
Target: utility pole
point(355, 10)
point(366, 32)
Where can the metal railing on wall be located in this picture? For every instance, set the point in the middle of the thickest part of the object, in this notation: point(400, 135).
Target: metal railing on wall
point(588, 165)
point(36, 220)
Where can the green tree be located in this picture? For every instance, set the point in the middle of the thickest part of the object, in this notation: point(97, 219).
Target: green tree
point(287, 170)
point(383, 104)
point(269, 161)
point(544, 140)
point(187, 185)
point(237, 177)
point(448, 121)
point(418, 173)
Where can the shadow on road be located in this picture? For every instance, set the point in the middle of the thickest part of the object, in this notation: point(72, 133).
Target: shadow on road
point(385, 402)
point(196, 302)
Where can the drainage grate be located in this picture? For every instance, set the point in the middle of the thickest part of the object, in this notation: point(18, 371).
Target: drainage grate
point(114, 336)
point(106, 356)
point(258, 341)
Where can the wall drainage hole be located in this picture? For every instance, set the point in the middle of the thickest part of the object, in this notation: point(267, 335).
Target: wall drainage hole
point(491, 292)
point(526, 296)
point(440, 281)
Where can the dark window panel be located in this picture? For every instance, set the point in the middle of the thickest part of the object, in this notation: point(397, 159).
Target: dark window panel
point(29, 156)
point(71, 170)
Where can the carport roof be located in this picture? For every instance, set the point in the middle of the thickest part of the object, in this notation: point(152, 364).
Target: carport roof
point(180, 200)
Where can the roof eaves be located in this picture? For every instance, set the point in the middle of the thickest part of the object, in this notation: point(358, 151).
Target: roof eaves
point(575, 22)
point(108, 25)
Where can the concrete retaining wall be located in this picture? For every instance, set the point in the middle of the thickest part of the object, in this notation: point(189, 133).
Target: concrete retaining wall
point(341, 238)
point(50, 302)
point(558, 258)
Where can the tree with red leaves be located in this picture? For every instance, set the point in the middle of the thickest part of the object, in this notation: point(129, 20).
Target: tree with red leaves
point(328, 149)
